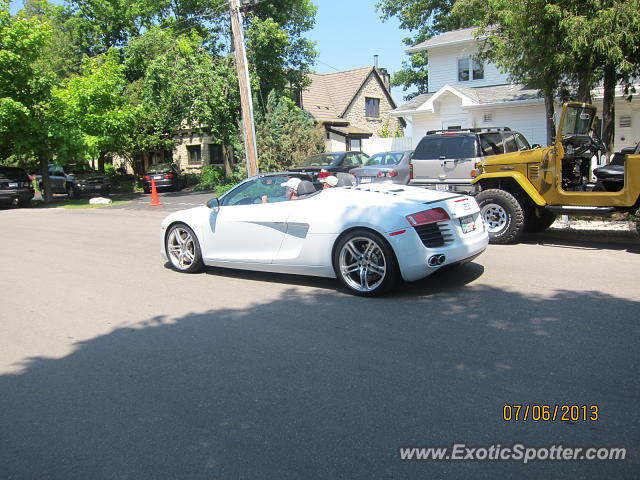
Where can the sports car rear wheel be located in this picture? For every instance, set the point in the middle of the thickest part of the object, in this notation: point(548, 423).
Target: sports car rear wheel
point(364, 263)
point(183, 249)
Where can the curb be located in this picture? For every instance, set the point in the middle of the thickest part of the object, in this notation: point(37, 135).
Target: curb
point(614, 230)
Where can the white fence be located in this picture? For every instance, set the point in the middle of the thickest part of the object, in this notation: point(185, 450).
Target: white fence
point(377, 145)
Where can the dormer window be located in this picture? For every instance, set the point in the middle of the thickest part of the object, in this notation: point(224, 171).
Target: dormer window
point(470, 69)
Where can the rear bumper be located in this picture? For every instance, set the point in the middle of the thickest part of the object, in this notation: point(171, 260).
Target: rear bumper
point(160, 184)
point(11, 195)
point(413, 255)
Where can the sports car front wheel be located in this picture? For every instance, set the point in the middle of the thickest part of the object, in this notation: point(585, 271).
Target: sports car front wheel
point(365, 264)
point(183, 249)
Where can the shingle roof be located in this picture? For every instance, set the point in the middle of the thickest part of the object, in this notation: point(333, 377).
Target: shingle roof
point(329, 94)
point(481, 95)
point(447, 38)
point(415, 102)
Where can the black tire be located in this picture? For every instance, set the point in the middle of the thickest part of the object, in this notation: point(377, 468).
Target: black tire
point(373, 272)
point(24, 202)
point(146, 190)
point(183, 249)
point(538, 220)
point(502, 214)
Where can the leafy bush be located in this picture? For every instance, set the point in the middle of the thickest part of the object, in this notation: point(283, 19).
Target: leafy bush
point(213, 178)
point(123, 183)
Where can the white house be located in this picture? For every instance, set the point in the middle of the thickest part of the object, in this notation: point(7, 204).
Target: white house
point(466, 93)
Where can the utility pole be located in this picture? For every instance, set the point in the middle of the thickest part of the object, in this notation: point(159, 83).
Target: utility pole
point(245, 88)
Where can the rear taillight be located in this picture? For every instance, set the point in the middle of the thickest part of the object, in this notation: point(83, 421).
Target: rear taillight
point(411, 171)
point(146, 177)
point(168, 176)
point(426, 217)
point(393, 173)
point(390, 173)
point(323, 173)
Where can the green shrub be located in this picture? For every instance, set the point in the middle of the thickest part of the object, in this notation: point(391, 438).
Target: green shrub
point(123, 183)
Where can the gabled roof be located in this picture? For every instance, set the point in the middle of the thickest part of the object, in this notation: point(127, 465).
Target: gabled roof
point(330, 95)
point(448, 38)
point(471, 97)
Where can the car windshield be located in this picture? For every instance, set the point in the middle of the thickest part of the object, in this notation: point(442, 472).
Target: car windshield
point(13, 174)
point(387, 158)
point(577, 120)
point(446, 146)
point(80, 168)
point(159, 168)
point(320, 160)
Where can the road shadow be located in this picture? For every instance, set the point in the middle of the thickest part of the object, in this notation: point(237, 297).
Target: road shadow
point(585, 240)
point(326, 386)
point(438, 282)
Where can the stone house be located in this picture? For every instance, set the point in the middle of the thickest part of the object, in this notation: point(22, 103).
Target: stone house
point(351, 105)
point(467, 93)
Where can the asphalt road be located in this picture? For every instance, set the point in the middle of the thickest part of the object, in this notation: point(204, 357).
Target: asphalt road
point(112, 366)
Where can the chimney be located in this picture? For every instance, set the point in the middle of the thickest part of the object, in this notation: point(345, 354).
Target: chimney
point(375, 61)
point(386, 78)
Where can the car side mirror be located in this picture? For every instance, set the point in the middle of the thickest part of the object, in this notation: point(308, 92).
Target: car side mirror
point(535, 145)
point(213, 204)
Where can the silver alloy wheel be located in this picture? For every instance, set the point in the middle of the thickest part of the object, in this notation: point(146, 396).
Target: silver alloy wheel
point(362, 264)
point(494, 216)
point(181, 248)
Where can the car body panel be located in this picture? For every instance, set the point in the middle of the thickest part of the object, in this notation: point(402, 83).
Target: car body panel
point(298, 236)
point(15, 185)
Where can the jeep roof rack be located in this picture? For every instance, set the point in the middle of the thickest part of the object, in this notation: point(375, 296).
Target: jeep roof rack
point(470, 130)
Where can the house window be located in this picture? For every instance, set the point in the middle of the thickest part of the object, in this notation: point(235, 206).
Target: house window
point(470, 69)
point(487, 118)
point(195, 154)
point(355, 144)
point(215, 154)
point(372, 107)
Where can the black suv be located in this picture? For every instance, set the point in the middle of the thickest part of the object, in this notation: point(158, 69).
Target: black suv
point(326, 164)
point(444, 159)
point(15, 186)
point(75, 179)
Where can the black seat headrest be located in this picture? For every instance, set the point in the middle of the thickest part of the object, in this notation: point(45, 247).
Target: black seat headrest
point(305, 188)
point(345, 180)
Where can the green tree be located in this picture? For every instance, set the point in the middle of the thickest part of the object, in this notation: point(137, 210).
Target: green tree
point(564, 47)
point(95, 104)
point(30, 115)
point(286, 135)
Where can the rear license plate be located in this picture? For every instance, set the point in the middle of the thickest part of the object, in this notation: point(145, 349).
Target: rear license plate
point(13, 185)
point(365, 179)
point(467, 224)
point(157, 177)
point(444, 188)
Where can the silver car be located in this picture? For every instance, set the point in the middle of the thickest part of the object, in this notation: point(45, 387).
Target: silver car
point(385, 167)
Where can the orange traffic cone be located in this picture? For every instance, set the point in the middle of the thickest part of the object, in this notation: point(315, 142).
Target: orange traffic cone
point(155, 201)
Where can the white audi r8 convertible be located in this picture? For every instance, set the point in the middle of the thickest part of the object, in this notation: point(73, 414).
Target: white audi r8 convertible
point(368, 236)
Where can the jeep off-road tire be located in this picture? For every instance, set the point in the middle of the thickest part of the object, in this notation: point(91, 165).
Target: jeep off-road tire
point(538, 220)
point(502, 214)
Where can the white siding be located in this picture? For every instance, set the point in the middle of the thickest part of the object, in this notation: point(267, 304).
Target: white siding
point(373, 145)
point(624, 136)
point(335, 143)
point(443, 68)
point(526, 119)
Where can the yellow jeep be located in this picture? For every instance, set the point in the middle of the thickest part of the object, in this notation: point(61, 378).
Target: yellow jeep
point(524, 191)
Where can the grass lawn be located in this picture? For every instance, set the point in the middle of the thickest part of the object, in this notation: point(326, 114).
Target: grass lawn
point(75, 203)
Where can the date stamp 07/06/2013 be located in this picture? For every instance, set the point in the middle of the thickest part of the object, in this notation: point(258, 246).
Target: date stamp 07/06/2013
point(550, 413)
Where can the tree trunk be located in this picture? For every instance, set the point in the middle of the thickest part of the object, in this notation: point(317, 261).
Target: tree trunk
point(101, 162)
point(47, 195)
point(550, 115)
point(609, 108)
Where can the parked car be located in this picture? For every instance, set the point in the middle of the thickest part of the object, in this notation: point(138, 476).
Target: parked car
point(15, 186)
point(385, 167)
point(444, 159)
point(166, 176)
point(75, 179)
point(368, 236)
point(325, 164)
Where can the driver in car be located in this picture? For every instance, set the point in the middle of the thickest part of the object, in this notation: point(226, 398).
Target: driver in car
point(290, 190)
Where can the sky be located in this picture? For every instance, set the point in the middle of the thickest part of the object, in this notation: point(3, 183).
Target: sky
point(348, 33)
